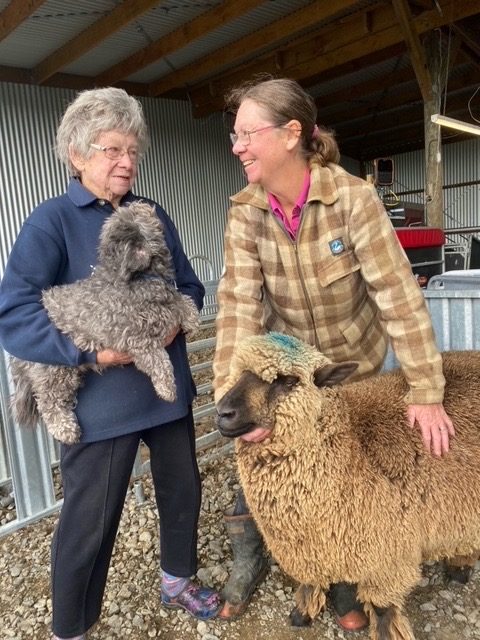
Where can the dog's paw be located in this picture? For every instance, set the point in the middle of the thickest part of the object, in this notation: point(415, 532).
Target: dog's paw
point(167, 393)
point(66, 436)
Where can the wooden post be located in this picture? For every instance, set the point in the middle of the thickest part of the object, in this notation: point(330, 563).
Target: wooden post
point(433, 137)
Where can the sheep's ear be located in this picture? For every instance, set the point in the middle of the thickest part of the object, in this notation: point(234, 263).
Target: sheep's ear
point(332, 374)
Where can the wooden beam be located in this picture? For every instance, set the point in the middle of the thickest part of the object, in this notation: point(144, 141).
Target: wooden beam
point(15, 74)
point(90, 37)
point(411, 138)
point(467, 38)
point(177, 39)
point(358, 92)
point(386, 119)
point(326, 50)
point(273, 34)
point(470, 55)
point(352, 66)
point(66, 81)
point(15, 13)
point(414, 47)
point(402, 94)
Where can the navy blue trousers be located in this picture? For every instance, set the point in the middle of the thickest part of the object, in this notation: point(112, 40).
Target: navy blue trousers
point(95, 482)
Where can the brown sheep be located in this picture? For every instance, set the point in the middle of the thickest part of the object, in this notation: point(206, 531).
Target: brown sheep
point(343, 489)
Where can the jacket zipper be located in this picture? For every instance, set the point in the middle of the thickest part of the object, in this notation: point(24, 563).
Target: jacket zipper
point(299, 269)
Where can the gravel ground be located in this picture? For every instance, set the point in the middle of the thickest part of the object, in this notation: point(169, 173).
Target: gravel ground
point(131, 606)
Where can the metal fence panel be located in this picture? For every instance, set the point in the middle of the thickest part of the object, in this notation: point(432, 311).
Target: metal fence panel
point(456, 321)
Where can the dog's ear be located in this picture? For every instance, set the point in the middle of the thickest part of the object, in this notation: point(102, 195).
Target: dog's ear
point(143, 208)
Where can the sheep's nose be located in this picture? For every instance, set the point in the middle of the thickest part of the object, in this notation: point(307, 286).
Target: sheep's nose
point(225, 420)
point(226, 416)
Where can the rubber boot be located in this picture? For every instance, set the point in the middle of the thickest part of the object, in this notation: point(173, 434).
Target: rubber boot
point(249, 562)
point(349, 612)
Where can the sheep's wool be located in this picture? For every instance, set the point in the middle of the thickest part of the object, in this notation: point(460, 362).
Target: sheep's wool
point(343, 490)
point(274, 354)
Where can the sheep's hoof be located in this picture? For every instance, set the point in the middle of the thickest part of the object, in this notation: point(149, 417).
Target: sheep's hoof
point(459, 574)
point(298, 619)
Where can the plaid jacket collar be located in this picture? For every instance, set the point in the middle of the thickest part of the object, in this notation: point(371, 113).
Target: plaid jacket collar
point(322, 189)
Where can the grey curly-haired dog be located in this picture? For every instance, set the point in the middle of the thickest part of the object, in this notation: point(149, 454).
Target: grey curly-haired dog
point(129, 304)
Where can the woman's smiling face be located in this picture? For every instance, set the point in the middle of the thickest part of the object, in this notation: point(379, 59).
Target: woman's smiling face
point(263, 152)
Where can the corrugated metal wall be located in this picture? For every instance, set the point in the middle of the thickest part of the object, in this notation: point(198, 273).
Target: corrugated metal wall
point(461, 164)
point(189, 168)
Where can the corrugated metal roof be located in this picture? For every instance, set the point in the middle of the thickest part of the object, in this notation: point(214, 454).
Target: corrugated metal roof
point(230, 32)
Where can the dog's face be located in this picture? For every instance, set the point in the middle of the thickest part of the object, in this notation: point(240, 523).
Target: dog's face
point(132, 242)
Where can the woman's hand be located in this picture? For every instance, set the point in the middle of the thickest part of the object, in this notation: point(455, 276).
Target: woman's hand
point(111, 358)
point(434, 424)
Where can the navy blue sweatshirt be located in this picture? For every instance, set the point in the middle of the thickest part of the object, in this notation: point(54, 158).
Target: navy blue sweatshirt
point(58, 245)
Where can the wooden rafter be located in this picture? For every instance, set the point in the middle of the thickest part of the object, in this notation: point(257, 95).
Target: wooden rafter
point(326, 50)
point(357, 92)
point(177, 39)
point(15, 13)
point(467, 38)
point(115, 20)
point(404, 91)
point(272, 34)
point(414, 46)
point(400, 115)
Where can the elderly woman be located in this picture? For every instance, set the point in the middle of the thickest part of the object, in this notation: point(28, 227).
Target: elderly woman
point(101, 139)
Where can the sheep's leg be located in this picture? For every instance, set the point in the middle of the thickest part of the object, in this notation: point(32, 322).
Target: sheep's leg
point(298, 619)
point(55, 398)
point(310, 601)
point(388, 623)
point(460, 568)
point(156, 364)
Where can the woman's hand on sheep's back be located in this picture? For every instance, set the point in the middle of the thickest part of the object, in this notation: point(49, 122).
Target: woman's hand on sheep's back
point(434, 424)
point(111, 358)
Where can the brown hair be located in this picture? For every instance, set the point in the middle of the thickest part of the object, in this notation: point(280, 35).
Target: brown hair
point(285, 100)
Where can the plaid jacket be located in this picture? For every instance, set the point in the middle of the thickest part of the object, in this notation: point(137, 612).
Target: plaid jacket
point(343, 285)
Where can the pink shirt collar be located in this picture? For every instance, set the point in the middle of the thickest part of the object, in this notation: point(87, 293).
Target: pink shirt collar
point(292, 225)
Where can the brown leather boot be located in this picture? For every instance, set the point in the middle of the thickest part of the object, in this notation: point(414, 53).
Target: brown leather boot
point(249, 564)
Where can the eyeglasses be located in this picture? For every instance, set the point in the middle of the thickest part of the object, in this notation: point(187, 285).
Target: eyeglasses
point(244, 136)
point(115, 153)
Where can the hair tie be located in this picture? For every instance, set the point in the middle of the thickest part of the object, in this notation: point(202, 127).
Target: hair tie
point(315, 132)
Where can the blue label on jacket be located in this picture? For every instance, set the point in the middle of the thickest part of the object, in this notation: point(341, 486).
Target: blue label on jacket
point(336, 246)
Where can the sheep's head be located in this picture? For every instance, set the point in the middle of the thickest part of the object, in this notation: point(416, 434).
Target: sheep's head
point(132, 242)
point(265, 372)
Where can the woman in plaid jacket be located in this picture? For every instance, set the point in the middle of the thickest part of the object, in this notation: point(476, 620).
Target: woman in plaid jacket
point(310, 251)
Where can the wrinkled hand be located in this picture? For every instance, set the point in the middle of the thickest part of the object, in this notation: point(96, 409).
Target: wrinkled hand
point(111, 358)
point(434, 424)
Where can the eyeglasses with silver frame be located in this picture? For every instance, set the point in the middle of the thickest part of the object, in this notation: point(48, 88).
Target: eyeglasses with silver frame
point(115, 153)
point(244, 136)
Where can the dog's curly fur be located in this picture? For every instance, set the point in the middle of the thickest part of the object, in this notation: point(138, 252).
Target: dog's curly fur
point(128, 304)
